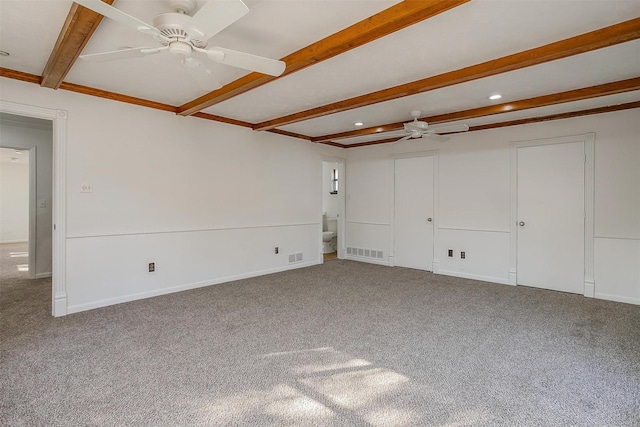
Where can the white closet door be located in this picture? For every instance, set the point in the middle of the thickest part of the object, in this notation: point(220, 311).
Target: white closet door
point(551, 217)
point(413, 216)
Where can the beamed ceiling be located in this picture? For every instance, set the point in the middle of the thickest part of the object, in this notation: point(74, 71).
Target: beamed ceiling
point(348, 61)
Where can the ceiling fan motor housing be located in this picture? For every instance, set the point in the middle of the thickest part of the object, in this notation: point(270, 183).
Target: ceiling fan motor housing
point(177, 26)
point(416, 126)
point(183, 6)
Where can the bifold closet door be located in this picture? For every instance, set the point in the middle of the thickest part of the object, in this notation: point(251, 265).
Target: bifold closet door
point(413, 212)
point(551, 210)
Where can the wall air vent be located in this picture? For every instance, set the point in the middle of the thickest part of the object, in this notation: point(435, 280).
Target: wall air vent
point(365, 253)
point(295, 257)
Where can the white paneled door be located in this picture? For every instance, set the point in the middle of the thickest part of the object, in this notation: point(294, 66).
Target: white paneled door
point(551, 210)
point(413, 212)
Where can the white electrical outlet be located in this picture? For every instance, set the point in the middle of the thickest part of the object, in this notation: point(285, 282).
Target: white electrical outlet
point(86, 187)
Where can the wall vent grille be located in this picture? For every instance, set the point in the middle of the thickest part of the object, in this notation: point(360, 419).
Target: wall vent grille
point(365, 253)
point(295, 257)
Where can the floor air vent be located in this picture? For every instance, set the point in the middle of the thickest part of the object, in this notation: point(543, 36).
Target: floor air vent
point(365, 253)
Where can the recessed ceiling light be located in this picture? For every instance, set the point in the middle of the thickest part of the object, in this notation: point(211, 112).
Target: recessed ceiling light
point(358, 123)
point(3, 53)
point(494, 97)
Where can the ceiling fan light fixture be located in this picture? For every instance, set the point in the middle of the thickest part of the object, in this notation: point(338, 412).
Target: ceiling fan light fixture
point(181, 49)
point(494, 97)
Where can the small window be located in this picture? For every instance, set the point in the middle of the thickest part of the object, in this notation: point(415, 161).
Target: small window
point(334, 182)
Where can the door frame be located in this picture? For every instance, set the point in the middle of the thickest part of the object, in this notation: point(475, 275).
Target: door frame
point(59, 119)
point(588, 139)
point(341, 243)
point(436, 198)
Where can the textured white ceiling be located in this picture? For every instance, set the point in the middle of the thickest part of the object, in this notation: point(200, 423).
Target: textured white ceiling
point(29, 30)
point(585, 104)
point(602, 66)
point(475, 32)
point(272, 28)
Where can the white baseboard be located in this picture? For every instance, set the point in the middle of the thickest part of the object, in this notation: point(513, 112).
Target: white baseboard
point(142, 295)
point(13, 241)
point(60, 306)
point(436, 266)
point(43, 275)
point(367, 260)
point(617, 298)
point(589, 289)
point(500, 280)
point(513, 278)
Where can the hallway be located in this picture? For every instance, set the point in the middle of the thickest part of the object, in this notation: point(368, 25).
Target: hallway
point(20, 298)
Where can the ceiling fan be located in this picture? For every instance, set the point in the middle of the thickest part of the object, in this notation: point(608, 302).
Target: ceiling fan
point(186, 36)
point(419, 129)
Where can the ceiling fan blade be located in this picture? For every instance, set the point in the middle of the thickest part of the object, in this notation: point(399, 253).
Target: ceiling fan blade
point(402, 139)
point(135, 52)
point(118, 16)
point(247, 61)
point(216, 15)
point(436, 137)
point(449, 128)
point(201, 75)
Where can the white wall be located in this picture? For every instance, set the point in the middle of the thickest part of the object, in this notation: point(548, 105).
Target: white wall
point(474, 198)
point(207, 202)
point(14, 202)
point(39, 134)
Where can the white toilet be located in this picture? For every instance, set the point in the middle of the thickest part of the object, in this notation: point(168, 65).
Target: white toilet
point(329, 235)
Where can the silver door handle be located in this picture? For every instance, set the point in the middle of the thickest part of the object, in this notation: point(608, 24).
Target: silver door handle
point(521, 223)
point(429, 219)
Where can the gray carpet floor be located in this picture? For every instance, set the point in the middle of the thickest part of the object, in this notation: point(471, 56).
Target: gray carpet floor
point(341, 344)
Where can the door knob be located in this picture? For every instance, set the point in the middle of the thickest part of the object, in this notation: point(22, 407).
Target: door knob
point(429, 219)
point(521, 223)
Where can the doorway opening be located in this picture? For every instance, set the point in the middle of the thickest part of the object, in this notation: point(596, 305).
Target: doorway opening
point(332, 209)
point(16, 221)
point(41, 132)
